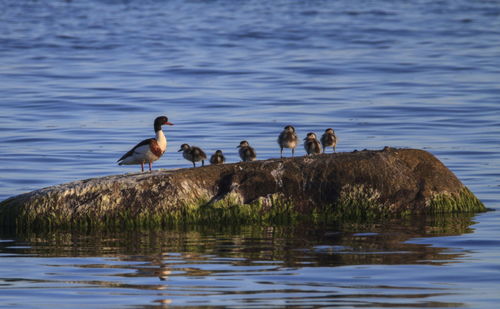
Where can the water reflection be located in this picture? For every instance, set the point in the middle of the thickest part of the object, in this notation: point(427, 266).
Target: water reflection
point(326, 245)
point(200, 265)
point(344, 244)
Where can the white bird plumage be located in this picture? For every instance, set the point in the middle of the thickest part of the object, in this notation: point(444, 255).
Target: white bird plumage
point(149, 150)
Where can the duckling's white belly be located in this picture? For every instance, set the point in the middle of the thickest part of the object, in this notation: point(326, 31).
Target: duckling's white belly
point(289, 144)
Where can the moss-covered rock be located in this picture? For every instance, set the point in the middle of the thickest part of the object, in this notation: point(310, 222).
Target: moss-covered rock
point(358, 185)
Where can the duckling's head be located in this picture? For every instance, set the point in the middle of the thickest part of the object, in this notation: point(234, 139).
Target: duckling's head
point(310, 135)
point(218, 152)
point(162, 120)
point(243, 144)
point(184, 147)
point(290, 128)
point(329, 131)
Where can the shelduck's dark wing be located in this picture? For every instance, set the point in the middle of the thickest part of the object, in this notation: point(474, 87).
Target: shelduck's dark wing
point(131, 151)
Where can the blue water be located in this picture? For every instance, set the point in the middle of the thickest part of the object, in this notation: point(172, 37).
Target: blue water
point(82, 81)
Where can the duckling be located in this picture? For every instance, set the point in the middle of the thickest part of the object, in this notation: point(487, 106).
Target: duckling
point(217, 158)
point(288, 139)
point(247, 153)
point(193, 154)
point(149, 150)
point(311, 144)
point(329, 139)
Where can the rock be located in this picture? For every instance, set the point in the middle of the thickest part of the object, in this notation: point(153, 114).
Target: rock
point(358, 185)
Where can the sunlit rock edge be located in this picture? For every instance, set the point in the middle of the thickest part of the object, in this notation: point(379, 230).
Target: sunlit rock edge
point(360, 185)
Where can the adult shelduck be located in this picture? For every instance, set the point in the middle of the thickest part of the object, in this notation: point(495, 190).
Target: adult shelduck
point(149, 150)
point(311, 144)
point(288, 139)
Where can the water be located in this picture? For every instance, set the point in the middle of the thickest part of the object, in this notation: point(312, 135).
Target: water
point(254, 267)
point(82, 81)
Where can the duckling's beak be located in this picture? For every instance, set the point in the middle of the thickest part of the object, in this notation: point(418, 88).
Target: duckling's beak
point(179, 150)
point(238, 146)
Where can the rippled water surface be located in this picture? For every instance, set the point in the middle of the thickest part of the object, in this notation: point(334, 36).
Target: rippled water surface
point(351, 266)
point(82, 81)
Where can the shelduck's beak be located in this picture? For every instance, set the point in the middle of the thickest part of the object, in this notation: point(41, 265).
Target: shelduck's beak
point(169, 123)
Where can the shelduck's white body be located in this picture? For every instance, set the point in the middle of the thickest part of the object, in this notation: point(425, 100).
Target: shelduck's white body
point(149, 150)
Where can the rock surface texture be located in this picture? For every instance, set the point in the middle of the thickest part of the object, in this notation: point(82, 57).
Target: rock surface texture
point(358, 184)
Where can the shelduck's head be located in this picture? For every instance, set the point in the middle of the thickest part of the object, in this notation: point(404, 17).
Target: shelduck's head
point(290, 128)
point(310, 135)
point(160, 121)
point(243, 144)
point(184, 147)
point(329, 131)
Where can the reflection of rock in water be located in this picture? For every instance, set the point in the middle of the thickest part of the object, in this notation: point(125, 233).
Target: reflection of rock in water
point(175, 252)
point(360, 185)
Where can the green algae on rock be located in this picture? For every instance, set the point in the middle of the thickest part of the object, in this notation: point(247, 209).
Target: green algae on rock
point(357, 185)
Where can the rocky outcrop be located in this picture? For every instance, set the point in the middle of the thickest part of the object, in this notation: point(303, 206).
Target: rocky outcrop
point(360, 185)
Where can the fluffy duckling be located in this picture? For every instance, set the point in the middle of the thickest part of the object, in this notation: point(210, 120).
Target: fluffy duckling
point(217, 158)
point(149, 150)
point(288, 139)
point(193, 154)
point(246, 152)
point(311, 144)
point(329, 139)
